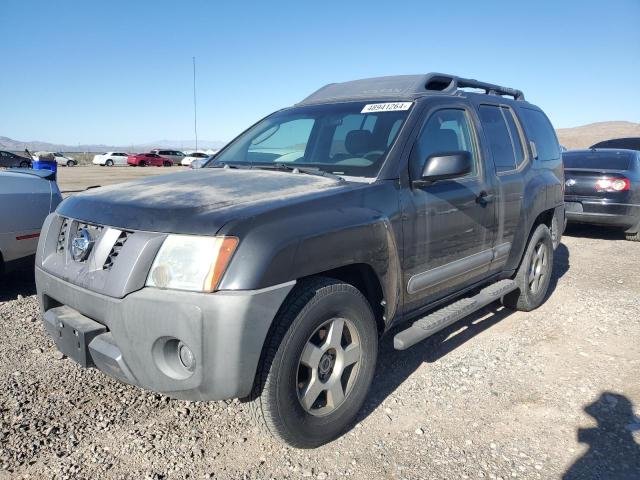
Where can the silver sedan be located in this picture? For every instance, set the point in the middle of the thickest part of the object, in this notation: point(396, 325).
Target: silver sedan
point(26, 198)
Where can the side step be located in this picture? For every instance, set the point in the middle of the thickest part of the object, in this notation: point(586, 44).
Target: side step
point(436, 321)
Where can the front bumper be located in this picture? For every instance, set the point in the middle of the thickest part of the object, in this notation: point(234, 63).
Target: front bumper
point(131, 338)
point(621, 215)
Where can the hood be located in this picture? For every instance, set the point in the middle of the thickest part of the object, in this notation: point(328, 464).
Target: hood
point(193, 202)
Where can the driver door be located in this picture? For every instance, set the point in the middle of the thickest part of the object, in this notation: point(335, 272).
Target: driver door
point(449, 225)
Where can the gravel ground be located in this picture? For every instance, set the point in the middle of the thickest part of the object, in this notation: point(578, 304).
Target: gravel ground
point(549, 394)
point(76, 179)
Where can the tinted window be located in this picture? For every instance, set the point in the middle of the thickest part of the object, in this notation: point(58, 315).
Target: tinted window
point(499, 137)
point(445, 131)
point(516, 139)
point(609, 161)
point(540, 132)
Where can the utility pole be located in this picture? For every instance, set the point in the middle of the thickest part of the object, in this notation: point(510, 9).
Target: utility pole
point(195, 108)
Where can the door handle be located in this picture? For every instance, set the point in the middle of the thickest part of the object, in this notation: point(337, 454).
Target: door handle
point(484, 197)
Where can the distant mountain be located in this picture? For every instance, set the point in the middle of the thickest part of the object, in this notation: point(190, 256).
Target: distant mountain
point(7, 143)
point(576, 137)
point(586, 135)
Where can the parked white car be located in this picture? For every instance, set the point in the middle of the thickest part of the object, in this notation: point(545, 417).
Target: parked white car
point(110, 159)
point(186, 161)
point(174, 155)
point(62, 159)
point(58, 157)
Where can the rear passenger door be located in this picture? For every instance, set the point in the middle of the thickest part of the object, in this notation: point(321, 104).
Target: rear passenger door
point(504, 137)
point(448, 225)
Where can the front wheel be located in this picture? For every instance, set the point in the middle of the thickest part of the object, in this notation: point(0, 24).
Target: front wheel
point(167, 164)
point(317, 364)
point(71, 163)
point(24, 164)
point(109, 163)
point(534, 274)
point(142, 164)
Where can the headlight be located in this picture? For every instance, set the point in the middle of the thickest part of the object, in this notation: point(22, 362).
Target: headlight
point(188, 262)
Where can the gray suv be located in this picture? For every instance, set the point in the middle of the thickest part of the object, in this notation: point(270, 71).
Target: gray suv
point(272, 273)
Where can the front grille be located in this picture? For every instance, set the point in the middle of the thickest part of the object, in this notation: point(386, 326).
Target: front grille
point(62, 236)
point(115, 250)
point(70, 228)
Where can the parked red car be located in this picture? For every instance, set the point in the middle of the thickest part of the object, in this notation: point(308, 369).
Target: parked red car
point(148, 159)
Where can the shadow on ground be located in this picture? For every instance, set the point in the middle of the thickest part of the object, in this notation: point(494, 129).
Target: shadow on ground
point(613, 453)
point(395, 367)
point(594, 231)
point(19, 282)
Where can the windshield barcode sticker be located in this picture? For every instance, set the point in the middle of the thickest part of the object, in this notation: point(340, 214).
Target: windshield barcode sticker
point(386, 107)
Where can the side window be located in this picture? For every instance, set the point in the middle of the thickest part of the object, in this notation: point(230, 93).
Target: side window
point(497, 133)
point(516, 139)
point(446, 130)
point(541, 133)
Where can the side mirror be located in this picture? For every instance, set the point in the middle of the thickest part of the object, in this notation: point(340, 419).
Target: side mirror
point(442, 166)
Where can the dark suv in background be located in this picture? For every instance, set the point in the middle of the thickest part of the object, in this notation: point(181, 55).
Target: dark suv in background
point(9, 159)
point(628, 143)
point(271, 274)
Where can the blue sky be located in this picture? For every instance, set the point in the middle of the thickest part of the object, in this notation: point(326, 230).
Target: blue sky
point(119, 72)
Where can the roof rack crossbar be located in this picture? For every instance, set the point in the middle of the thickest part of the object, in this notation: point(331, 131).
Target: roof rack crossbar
point(449, 83)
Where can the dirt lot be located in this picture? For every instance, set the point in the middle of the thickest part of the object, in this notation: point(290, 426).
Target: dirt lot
point(549, 394)
point(75, 179)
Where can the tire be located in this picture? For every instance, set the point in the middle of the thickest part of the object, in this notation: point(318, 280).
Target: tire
point(71, 163)
point(24, 164)
point(142, 164)
point(556, 231)
point(109, 163)
point(284, 377)
point(633, 237)
point(537, 262)
point(167, 164)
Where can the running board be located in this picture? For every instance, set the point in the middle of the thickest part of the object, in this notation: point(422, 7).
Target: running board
point(436, 321)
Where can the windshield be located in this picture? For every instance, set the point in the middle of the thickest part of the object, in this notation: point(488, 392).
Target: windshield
point(350, 139)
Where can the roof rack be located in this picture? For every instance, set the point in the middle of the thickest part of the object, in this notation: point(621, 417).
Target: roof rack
point(449, 83)
point(402, 87)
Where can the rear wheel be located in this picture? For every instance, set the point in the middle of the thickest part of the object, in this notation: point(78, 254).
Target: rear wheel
point(534, 274)
point(633, 237)
point(167, 163)
point(24, 164)
point(71, 163)
point(317, 365)
point(109, 163)
point(142, 164)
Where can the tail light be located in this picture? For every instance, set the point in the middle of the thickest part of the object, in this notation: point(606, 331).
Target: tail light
point(613, 184)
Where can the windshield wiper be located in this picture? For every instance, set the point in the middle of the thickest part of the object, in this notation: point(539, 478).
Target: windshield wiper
point(284, 167)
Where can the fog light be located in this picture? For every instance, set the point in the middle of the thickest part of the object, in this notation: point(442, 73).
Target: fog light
point(186, 356)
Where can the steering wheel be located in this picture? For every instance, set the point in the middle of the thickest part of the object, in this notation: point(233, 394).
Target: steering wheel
point(375, 154)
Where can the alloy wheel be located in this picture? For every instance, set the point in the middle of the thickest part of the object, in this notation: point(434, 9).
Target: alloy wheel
point(539, 267)
point(328, 366)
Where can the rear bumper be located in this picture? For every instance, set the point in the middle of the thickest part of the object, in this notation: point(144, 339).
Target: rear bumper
point(133, 339)
point(621, 215)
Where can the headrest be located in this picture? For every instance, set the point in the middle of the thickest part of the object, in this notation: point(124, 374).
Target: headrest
point(446, 140)
point(358, 142)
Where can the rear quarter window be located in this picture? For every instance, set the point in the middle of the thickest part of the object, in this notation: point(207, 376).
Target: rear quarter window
point(540, 131)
